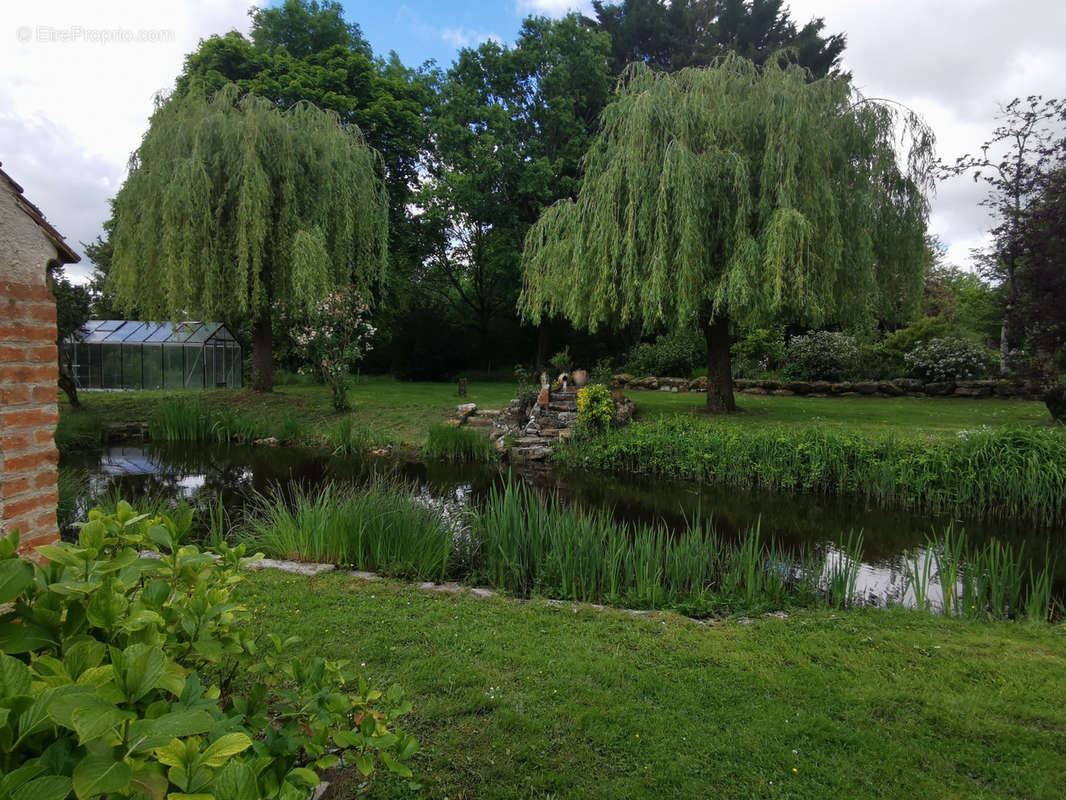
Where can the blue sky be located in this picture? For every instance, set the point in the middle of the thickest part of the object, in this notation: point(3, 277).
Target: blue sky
point(422, 29)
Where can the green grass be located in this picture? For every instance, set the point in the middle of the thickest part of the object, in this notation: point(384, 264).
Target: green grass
point(534, 700)
point(526, 545)
point(458, 445)
point(1010, 471)
point(388, 410)
point(378, 528)
point(911, 417)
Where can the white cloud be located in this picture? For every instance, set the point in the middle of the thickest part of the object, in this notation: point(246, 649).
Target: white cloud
point(954, 62)
point(552, 8)
point(465, 37)
point(80, 80)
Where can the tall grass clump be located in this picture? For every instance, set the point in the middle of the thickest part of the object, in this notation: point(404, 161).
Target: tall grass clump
point(1007, 472)
point(378, 528)
point(449, 443)
point(72, 489)
point(346, 437)
point(989, 580)
point(182, 421)
point(79, 429)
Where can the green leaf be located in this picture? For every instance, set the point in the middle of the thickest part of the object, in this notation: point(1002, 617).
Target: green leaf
point(144, 666)
point(302, 776)
point(365, 764)
point(50, 787)
point(92, 535)
point(150, 782)
point(15, 576)
point(62, 554)
point(148, 734)
point(172, 755)
point(236, 781)
point(99, 774)
point(396, 767)
point(106, 608)
point(224, 747)
point(14, 677)
point(35, 718)
point(93, 721)
point(161, 536)
point(156, 593)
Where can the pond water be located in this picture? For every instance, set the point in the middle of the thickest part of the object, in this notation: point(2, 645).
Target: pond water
point(201, 474)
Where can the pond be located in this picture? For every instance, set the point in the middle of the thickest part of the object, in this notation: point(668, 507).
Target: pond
point(204, 474)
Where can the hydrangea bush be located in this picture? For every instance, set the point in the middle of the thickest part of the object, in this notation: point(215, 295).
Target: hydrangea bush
point(946, 359)
point(821, 356)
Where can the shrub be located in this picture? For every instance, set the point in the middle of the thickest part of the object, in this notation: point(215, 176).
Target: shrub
point(674, 354)
point(821, 356)
point(595, 408)
point(897, 344)
point(946, 359)
point(117, 679)
point(559, 363)
point(762, 349)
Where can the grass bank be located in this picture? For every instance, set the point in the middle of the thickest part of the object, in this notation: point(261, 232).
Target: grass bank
point(536, 700)
point(523, 544)
point(384, 411)
point(1009, 471)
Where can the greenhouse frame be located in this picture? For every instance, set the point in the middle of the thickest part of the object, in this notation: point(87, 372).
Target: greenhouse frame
point(128, 354)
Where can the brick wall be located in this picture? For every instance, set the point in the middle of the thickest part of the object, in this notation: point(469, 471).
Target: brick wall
point(28, 370)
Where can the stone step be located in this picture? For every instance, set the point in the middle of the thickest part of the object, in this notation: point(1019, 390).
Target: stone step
point(480, 422)
point(556, 406)
point(552, 433)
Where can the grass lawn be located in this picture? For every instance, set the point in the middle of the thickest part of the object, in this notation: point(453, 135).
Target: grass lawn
point(903, 416)
point(533, 700)
point(393, 410)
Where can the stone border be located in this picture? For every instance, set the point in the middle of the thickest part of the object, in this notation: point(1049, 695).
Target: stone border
point(902, 387)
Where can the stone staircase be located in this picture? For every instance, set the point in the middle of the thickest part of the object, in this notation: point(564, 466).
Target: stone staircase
point(548, 422)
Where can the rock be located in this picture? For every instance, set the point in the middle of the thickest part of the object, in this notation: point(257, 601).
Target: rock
point(622, 379)
point(909, 384)
point(782, 393)
point(381, 451)
point(464, 411)
point(821, 387)
point(699, 384)
point(1055, 400)
point(865, 387)
point(842, 388)
point(973, 389)
point(293, 567)
point(740, 384)
point(889, 388)
point(121, 431)
point(754, 390)
point(799, 387)
point(939, 388)
point(770, 386)
point(269, 441)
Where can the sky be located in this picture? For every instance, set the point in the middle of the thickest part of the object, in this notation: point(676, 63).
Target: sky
point(80, 78)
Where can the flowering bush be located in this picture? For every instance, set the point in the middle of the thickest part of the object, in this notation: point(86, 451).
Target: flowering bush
point(946, 359)
point(595, 408)
point(821, 356)
point(333, 336)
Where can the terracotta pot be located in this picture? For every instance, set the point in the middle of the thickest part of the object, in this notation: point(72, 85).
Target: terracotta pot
point(580, 377)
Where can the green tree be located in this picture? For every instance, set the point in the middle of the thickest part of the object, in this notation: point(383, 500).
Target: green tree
point(73, 304)
point(736, 192)
point(232, 205)
point(1015, 164)
point(509, 133)
point(693, 33)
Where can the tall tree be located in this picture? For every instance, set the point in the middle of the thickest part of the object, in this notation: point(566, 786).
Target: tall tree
point(73, 303)
point(509, 134)
point(1014, 164)
point(232, 205)
point(674, 34)
point(735, 192)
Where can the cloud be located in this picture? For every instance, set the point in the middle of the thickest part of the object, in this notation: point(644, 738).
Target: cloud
point(465, 37)
point(954, 62)
point(79, 90)
point(552, 8)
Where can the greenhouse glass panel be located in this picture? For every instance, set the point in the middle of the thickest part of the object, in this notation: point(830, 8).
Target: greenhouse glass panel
point(173, 366)
point(152, 366)
point(131, 366)
point(194, 368)
point(111, 356)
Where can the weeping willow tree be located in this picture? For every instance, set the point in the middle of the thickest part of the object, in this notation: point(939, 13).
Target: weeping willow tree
point(232, 205)
point(737, 193)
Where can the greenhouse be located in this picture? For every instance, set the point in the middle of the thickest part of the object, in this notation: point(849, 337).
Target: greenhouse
point(126, 354)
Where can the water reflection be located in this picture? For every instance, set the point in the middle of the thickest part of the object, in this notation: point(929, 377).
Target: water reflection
point(204, 474)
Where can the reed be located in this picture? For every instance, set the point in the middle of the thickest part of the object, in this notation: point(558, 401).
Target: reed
point(1009, 471)
point(449, 443)
point(377, 528)
point(182, 421)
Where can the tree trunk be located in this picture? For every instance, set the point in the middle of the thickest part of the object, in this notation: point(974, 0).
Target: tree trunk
point(719, 373)
point(543, 343)
point(66, 381)
point(263, 343)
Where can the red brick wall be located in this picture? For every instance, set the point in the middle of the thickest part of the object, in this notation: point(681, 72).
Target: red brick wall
point(28, 410)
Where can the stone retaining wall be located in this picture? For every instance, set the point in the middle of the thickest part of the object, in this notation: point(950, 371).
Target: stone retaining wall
point(1020, 390)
